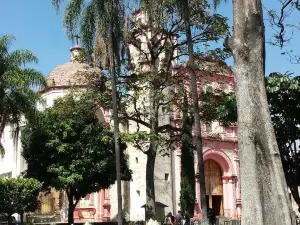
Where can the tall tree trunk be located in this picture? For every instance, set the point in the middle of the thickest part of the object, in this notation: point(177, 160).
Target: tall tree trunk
point(151, 153)
point(150, 188)
point(187, 184)
point(9, 219)
point(71, 209)
point(22, 217)
point(194, 91)
point(264, 191)
point(115, 112)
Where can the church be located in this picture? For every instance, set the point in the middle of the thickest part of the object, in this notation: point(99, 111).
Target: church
point(220, 151)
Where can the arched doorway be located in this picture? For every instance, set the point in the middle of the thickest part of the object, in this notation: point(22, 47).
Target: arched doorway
point(214, 186)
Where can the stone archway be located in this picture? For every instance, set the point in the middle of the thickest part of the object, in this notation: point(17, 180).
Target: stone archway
point(214, 186)
point(228, 179)
point(222, 159)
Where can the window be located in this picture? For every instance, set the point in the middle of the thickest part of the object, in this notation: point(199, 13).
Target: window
point(138, 192)
point(166, 176)
point(208, 127)
point(136, 159)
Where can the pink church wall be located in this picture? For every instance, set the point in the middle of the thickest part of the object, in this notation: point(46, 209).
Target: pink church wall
point(222, 149)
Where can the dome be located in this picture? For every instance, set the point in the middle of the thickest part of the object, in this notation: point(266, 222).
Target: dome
point(71, 73)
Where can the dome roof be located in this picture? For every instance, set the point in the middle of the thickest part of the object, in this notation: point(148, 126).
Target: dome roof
point(71, 73)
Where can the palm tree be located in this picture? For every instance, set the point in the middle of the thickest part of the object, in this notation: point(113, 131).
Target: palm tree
point(17, 97)
point(101, 28)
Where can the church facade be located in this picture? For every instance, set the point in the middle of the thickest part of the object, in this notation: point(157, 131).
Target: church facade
point(220, 154)
point(220, 150)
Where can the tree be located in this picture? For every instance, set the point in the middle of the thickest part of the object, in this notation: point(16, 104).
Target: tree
point(261, 167)
point(149, 92)
point(219, 106)
point(69, 149)
point(163, 19)
point(19, 195)
point(279, 23)
point(283, 95)
point(194, 92)
point(17, 98)
point(187, 185)
point(105, 18)
point(262, 178)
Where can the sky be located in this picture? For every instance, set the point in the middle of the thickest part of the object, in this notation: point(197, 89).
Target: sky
point(38, 27)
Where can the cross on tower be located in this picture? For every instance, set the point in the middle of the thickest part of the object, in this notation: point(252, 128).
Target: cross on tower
point(77, 37)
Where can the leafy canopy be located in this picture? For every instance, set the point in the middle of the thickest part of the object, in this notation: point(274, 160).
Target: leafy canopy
point(19, 195)
point(284, 99)
point(69, 148)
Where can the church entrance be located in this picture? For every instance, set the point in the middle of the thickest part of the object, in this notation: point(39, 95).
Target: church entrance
point(214, 186)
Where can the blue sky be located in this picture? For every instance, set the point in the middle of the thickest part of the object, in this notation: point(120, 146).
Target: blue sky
point(38, 27)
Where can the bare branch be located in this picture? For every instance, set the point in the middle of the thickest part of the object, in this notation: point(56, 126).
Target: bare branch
point(168, 128)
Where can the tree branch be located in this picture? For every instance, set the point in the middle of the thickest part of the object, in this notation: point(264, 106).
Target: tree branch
point(167, 128)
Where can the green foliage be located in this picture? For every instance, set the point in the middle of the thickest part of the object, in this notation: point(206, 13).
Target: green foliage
point(81, 57)
point(187, 190)
point(219, 106)
point(284, 99)
point(19, 195)
point(93, 18)
point(17, 98)
point(68, 148)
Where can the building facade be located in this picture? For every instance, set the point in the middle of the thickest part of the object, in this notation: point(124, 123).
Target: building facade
point(220, 151)
point(220, 148)
point(220, 155)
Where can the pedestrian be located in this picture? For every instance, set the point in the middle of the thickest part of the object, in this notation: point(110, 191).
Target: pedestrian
point(178, 218)
point(212, 218)
point(169, 219)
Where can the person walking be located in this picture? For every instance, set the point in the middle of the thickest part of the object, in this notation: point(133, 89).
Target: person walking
point(170, 219)
point(178, 218)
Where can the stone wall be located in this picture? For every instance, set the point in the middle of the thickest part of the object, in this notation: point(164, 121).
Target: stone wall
point(137, 188)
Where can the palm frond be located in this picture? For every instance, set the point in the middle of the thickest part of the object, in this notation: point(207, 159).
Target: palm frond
point(23, 78)
point(72, 15)
point(216, 3)
point(56, 3)
point(88, 29)
point(17, 98)
point(20, 103)
point(5, 43)
point(21, 58)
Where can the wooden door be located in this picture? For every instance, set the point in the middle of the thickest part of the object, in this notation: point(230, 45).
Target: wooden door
point(214, 186)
